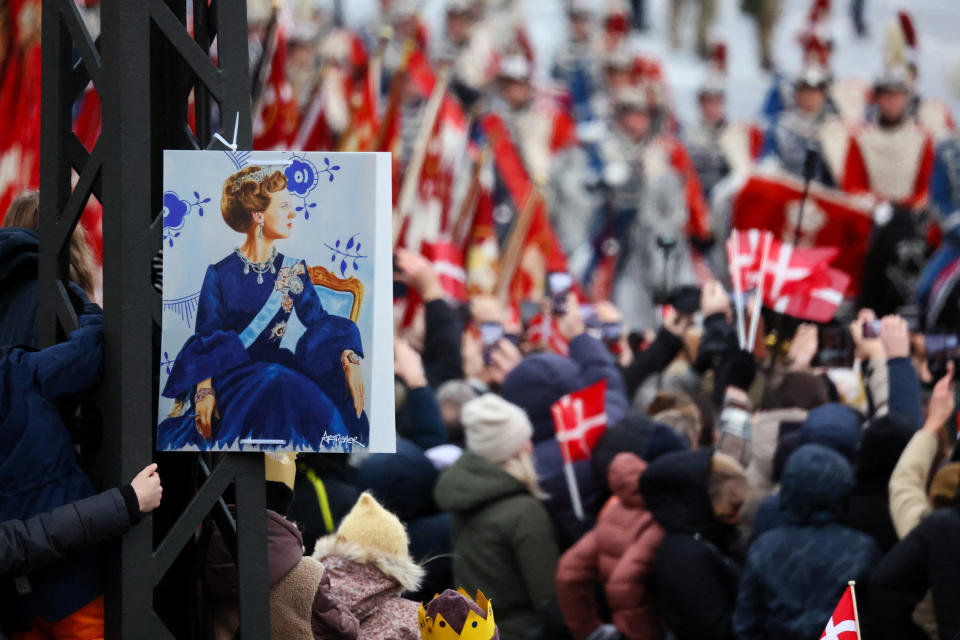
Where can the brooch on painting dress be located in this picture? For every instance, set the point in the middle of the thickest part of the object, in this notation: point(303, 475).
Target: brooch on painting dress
point(276, 333)
point(288, 281)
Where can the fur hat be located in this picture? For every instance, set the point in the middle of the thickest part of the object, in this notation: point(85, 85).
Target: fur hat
point(494, 428)
point(369, 525)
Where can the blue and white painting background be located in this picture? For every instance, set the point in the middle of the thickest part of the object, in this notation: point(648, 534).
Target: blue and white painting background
point(343, 218)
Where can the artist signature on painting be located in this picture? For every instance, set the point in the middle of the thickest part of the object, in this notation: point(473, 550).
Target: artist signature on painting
point(338, 440)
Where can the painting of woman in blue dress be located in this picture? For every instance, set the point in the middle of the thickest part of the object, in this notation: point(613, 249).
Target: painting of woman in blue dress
point(236, 382)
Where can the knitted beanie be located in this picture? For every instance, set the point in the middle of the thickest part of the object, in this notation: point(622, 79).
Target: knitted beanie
point(370, 526)
point(494, 428)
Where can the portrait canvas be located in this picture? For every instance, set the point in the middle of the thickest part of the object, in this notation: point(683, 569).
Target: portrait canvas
point(277, 302)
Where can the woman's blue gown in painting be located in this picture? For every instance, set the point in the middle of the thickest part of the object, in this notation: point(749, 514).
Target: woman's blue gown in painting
point(264, 390)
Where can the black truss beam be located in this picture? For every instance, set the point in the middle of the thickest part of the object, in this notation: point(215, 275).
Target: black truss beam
point(143, 67)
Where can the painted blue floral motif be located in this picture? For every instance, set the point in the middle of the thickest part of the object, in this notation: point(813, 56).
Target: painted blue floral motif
point(167, 362)
point(175, 212)
point(303, 177)
point(347, 252)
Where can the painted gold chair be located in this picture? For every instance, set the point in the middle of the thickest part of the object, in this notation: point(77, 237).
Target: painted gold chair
point(339, 296)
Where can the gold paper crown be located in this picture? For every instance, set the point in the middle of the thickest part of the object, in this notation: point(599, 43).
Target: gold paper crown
point(474, 628)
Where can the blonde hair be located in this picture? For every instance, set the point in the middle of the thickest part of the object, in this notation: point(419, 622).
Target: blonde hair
point(723, 468)
point(684, 420)
point(24, 212)
point(247, 191)
point(521, 467)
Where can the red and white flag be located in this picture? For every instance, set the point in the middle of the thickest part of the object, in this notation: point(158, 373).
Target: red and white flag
point(580, 419)
point(743, 257)
point(798, 282)
point(795, 281)
point(447, 261)
point(831, 218)
point(843, 623)
point(544, 333)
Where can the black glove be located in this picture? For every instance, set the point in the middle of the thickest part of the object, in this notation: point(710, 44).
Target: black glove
point(737, 369)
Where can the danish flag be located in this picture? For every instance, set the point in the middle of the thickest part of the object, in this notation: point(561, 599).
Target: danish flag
point(580, 419)
point(795, 281)
point(447, 261)
point(843, 623)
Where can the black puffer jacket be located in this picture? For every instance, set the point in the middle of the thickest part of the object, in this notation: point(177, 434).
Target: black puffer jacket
point(869, 506)
point(698, 563)
point(927, 559)
point(29, 545)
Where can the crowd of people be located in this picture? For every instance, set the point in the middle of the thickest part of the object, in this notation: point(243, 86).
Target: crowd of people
point(736, 487)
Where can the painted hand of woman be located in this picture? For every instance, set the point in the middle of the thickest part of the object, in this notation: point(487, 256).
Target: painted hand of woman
point(355, 384)
point(206, 409)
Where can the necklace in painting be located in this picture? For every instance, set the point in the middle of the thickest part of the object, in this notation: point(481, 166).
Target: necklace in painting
point(259, 268)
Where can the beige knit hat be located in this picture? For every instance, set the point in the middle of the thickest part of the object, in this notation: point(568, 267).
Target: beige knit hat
point(370, 526)
point(495, 429)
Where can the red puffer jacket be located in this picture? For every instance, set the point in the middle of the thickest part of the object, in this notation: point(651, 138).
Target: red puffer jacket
point(618, 553)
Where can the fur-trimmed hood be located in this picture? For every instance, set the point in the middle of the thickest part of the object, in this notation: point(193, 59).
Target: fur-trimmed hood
point(400, 569)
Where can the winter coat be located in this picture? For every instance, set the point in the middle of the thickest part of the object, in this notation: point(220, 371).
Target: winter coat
point(928, 558)
point(369, 583)
point(832, 425)
point(29, 545)
point(503, 542)
point(548, 461)
point(618, 554)
point(19, 250)
point(302, 605)
point(698, 563)
point(868, 509)
point(909, 503)
point(38, 465)
point(796, 573)
point(535, 385)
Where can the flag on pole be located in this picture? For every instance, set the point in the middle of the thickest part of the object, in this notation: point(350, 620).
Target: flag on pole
point(580, 419)
point(794, 281)
point(831, 218)
point(844, 623)
point(447, 261)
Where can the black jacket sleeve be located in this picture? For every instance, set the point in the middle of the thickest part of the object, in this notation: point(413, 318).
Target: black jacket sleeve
point(896, 586)
point(28, 545)
point(651, 360)
point(441, 344)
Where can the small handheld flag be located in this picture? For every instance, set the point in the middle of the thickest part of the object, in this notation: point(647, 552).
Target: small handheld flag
point(580, 419)
point(844, 623)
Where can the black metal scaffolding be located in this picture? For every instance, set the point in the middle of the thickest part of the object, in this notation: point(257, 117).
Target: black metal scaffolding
point(145, 66)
